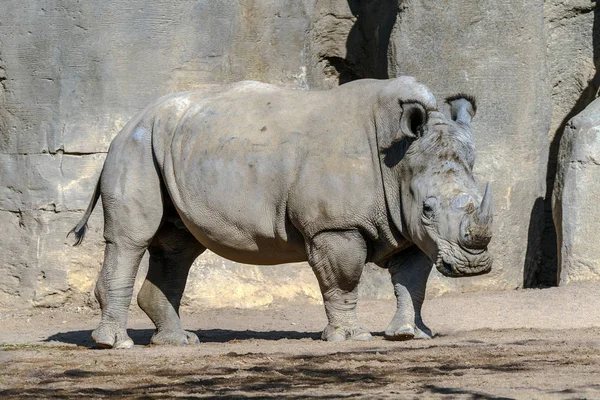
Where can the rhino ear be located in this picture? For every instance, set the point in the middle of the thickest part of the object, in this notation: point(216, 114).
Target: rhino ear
point(413, 117)
point(462, 108)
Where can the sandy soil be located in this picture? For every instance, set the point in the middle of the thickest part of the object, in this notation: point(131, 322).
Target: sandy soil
point(529, 344)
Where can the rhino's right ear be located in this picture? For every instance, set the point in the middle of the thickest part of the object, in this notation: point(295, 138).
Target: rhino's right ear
point(462, 108)
point(413, 117)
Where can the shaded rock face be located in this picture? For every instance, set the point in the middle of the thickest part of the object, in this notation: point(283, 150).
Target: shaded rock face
point(576, 194)
point(72, 73)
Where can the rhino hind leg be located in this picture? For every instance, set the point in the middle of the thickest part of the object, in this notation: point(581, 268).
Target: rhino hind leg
point(113, 291)
point(172, 252)
point(338, 259)
point(133, 209)
point(114, 287)
point(409, 271)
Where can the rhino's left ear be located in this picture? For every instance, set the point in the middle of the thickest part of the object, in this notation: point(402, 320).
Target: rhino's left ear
point(462, 108)
point(413, 117)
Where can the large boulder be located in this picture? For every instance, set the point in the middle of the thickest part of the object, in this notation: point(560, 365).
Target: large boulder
point(576, 197)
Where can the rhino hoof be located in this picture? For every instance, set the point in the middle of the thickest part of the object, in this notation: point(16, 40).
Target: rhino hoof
point(174, 338)
point(124, 344)
point(339, 333)
point(111, 338)
point(423, 334)
point(403, 333)
point(334, 337)
point(362, 336)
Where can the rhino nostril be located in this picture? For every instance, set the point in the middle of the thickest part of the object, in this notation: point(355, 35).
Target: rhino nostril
point(476, 243)
point(472, 235)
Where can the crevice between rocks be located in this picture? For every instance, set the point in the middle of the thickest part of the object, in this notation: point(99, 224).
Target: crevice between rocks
point(48, 209)
point(57, 152)
point(573, 12)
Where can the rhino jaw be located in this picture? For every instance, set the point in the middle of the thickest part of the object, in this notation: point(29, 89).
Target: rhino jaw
point(449, 267)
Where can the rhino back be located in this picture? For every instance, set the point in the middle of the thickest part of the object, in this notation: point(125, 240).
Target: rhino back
point(254, 169)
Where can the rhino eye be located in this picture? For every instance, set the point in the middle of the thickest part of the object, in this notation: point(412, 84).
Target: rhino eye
point(430, 206)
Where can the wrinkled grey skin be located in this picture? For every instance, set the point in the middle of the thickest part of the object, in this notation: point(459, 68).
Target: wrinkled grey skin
point(265, 175)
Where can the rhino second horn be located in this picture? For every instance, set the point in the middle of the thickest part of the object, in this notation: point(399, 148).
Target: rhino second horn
point(462, 108)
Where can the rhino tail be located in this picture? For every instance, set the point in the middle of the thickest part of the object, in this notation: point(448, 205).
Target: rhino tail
point(81, 227)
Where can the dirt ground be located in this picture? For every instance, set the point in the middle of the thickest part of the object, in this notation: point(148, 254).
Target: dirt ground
point(529, 344)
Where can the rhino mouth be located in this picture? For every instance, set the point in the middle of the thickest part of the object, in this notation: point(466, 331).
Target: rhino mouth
point(451, 267)
point(444, 267)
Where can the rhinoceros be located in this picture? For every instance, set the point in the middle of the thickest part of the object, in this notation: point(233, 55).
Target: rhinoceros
point(370, 171)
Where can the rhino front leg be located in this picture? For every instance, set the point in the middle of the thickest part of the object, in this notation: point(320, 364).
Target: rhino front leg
point(409, 271)
point(338, 259)
point(172, 252)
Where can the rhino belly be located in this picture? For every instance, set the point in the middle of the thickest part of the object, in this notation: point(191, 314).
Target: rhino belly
point(233, 197)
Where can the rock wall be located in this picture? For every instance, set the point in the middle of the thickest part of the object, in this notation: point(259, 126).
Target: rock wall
point(576, 195)
point(72, 73)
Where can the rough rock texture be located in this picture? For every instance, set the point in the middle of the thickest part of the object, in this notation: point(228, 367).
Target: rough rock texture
point(576, 195)
point(72, 73)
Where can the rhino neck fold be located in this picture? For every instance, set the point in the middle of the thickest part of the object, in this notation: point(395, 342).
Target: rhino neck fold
point(391, 189)
point(388, 159)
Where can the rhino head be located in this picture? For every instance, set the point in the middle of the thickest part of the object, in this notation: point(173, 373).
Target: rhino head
point(440, 207)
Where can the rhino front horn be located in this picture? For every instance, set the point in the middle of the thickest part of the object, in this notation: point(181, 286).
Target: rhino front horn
point(476, 228)
point(485, 213)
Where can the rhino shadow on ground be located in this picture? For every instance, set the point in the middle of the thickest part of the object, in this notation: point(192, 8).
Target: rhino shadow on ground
point(142, 336)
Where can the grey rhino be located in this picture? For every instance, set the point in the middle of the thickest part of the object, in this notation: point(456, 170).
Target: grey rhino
point(366, 172)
